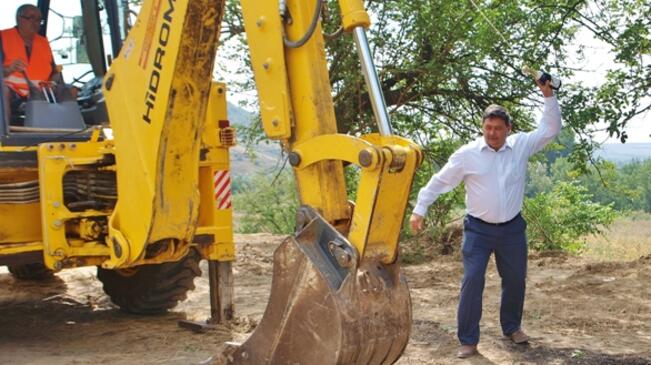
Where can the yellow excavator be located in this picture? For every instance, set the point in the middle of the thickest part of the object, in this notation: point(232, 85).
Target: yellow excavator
point(136, 180)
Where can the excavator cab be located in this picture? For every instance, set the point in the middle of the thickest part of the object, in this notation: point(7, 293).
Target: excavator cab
point(84, 37)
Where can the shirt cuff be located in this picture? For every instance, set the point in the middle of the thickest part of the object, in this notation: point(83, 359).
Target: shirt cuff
point(420, 209)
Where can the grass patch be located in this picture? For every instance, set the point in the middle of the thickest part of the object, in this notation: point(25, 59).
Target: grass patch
point(629, 238)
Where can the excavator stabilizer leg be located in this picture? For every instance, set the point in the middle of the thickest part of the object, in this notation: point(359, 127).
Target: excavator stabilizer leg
point(324, 308)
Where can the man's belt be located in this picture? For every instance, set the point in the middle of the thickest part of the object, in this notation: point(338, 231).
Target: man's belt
point(495, 224)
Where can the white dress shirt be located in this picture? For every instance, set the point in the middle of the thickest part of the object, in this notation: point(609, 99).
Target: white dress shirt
point(494, 179)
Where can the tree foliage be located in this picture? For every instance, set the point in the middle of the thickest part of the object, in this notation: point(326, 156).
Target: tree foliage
point(266, 204)
point(627, 188)
point(560, 218)
point(442, 62)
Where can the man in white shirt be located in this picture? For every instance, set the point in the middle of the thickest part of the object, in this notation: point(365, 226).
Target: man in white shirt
point(493, 168)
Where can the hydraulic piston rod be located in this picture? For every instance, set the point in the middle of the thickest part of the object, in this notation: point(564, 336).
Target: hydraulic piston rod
point(372, 82)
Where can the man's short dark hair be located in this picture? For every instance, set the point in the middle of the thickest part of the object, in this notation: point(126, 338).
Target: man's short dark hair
point(23, 8)
point(496, 111)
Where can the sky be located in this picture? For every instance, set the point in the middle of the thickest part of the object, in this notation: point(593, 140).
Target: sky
point(596, 62)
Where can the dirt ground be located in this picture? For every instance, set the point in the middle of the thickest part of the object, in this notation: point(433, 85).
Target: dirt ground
point(577, 312)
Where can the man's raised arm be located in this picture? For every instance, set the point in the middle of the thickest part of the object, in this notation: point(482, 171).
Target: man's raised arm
point(550, 122)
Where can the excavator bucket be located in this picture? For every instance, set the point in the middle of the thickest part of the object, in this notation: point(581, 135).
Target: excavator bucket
point(324, 308)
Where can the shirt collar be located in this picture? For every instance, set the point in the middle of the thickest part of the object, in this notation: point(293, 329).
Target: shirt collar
point(482, 144)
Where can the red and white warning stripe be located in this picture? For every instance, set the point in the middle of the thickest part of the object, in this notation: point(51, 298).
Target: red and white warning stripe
point(222, 186)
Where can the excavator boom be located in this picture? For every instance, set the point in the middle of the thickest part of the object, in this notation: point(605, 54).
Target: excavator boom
point(158, 93)
point(337, 295)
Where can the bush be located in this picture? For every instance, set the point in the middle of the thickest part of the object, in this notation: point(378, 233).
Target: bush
point(433, 242)
point(267, 204)
point(557, 220)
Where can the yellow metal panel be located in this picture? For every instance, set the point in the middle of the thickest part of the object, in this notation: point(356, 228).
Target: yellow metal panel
point(221, 250)
point(17, 148)
point(11, 249)
point(367, 196)
point(215, 111)
point(88, 249)
point(386, 177)
point(340, 147)
point(158, 133)
point(214, 219)
point(310, 91)
point(54, 160)
point(20, 222)
point(321, 185)
point(382, 197)
point(387, 218)
point(264, 32)
point(304, 70)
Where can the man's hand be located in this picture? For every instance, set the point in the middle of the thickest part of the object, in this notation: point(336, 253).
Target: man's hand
point(546, 88)
point(16, 65)
point(416, 223)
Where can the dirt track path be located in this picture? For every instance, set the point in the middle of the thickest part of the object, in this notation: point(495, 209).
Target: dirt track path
point(577, 312)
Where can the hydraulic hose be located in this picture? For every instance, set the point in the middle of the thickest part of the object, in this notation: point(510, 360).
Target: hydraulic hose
point(310, 30)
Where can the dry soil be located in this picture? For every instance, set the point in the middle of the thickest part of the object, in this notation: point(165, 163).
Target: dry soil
point(577, 311)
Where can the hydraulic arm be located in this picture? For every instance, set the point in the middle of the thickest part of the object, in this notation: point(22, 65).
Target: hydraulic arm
point(158, 95)
point(337, 296)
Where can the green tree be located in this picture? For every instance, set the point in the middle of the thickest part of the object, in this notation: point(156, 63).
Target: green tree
point(538, 179)
point(442, 62)
point(635, 180)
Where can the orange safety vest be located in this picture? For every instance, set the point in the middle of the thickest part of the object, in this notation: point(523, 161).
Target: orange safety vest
point(39, 64)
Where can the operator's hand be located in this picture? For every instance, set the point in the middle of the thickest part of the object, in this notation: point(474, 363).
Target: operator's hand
point(416, 223)
point(16, 65)
point(546, 88)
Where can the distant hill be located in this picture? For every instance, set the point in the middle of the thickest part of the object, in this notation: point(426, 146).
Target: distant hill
point(622, 154)
point(239, 116)
point(264, 158)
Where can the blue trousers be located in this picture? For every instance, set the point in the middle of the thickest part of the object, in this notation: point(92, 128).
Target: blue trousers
point(509, 243)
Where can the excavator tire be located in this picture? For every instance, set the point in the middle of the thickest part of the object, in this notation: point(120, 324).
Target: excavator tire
point(36, 271)
point(151, 289)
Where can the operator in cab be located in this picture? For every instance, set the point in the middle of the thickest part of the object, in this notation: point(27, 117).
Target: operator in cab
point(493, 168)
point(26, 54)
